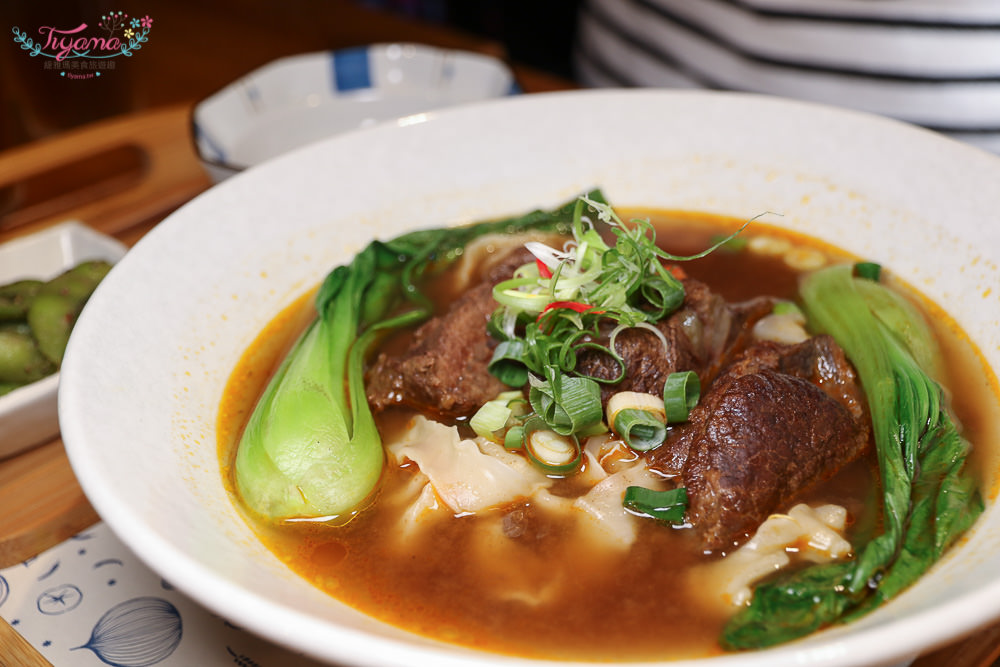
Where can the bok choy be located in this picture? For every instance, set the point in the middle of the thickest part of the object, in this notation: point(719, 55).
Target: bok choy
point(310, 449)
point(929, 496)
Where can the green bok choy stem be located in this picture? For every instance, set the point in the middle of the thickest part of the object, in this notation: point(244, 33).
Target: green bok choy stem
point(310, 449)
point(929, 497)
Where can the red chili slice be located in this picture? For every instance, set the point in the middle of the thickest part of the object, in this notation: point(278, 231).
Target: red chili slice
point(677, 271)
point(571, 305)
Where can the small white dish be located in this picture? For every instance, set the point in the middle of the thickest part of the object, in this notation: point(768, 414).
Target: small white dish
point(29, 415)
point(294, 101)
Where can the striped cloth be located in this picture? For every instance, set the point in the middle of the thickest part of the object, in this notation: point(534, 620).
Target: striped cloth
point(932, 63)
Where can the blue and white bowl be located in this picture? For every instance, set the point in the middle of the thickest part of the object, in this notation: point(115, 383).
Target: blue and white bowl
point(294, 101)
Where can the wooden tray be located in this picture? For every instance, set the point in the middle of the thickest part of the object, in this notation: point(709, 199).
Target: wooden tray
point(120, 177)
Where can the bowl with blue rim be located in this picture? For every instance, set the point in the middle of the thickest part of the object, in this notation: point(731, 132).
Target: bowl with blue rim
point(296, 100)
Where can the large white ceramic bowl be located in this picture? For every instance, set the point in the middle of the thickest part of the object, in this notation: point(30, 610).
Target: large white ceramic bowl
point(148, 361)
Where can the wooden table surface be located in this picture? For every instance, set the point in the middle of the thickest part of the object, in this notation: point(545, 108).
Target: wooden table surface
point(195, 48)
point(123, 173)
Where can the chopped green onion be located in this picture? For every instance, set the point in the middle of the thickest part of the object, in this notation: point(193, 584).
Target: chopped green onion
point(507, 364)
point(598, 428)
point(669, 506)
point(641, 429)
point(554, 453)
point(788, 308)
point(638, 418)
point(519, 405)
point(869, 270)
point(513, 439)
point(507, 293)
point(490, 419)
point(665, 293)
point(567, 403)
point(564, 300)
point(493, 417)
point(681, 392)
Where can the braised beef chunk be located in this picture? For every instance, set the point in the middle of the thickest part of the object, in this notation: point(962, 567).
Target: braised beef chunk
point(778, 420)
point(821, 361)
point(444, 370)
point(647, 360)
point(704, 331)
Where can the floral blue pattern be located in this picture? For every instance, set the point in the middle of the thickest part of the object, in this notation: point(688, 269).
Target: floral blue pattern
point(136, 633)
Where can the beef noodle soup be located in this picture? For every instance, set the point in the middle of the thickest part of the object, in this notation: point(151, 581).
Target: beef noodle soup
point(543, 562)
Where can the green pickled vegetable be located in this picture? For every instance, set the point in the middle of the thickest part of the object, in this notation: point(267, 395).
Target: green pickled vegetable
point(36, 318)
point(16, 297)
point(78, 282)
point(59, 302)
point(311, 449)
point(52, 317)
point(929, 496)
point(21, 361)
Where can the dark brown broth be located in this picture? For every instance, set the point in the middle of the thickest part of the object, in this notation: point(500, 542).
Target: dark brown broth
point(637, 606)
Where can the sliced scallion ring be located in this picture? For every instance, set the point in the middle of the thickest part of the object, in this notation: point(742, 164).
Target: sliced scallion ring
point(598, 428)
point(554, 453)
point(640, 429)
point(681, 392)
point(514, 438)
point(666, 293)
point(638, 418)
point(625, 400)
point(492, 417)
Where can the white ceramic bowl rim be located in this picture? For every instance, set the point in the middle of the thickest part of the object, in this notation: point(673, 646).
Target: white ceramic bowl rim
point(140, 385)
